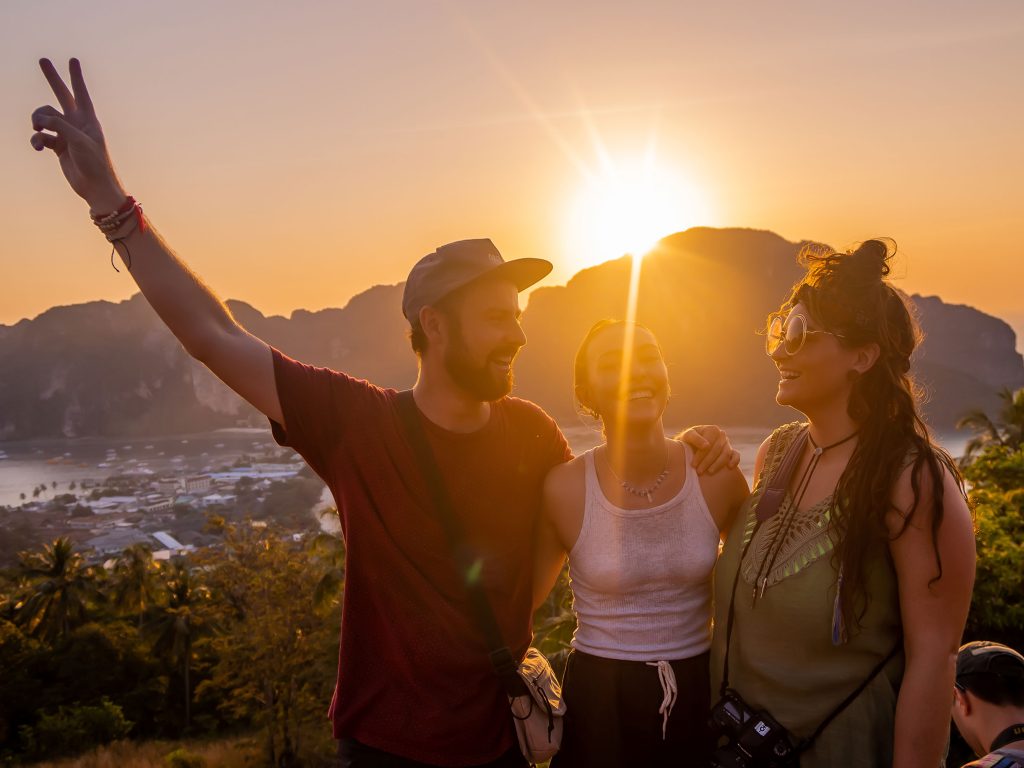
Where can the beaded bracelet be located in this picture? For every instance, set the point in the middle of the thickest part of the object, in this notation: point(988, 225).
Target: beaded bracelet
point(117, 225)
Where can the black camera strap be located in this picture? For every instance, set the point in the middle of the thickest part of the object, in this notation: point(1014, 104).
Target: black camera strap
point(767, 507)
point(505, 666)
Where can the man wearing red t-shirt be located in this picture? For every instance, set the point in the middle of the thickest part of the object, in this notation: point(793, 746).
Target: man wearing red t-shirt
point(415, 684)
point(414, 675)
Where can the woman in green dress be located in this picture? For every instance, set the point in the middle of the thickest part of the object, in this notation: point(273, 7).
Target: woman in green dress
point(856, 590)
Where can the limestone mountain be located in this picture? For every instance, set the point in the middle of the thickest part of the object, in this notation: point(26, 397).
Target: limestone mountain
point(105, 368)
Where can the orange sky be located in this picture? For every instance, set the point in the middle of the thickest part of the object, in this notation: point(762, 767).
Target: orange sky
point(295, 154)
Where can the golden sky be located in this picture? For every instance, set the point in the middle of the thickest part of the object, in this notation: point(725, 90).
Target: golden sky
point(297, 153)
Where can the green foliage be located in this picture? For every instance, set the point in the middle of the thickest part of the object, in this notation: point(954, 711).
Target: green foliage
point(242, 636)
point(61, 587)
point(75, 728)
point(996, 475)
point(276, 654)
point(182, 758)
point(17, 651)
point(135, 581)
point(108, 659)
point(996, 470)
point(1006, 430)
point(179, 623)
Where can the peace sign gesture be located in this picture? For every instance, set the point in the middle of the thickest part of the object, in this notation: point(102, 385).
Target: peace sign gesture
point(74, 134)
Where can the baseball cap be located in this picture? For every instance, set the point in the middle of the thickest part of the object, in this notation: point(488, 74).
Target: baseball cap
point(982, 657)
point(457, 264)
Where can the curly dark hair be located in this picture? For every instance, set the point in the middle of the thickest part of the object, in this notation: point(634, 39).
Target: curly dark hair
point(848, 294)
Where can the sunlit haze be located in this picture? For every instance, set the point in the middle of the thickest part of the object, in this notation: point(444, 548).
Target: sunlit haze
point(295, 154)
point(628, 207)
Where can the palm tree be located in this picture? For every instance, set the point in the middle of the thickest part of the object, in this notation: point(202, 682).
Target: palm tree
point(178, 626)
point(1006, 430)
point(60, 587)
point(135, 583)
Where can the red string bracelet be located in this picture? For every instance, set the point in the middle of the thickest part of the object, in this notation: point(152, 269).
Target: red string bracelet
point(110, 222)
point(126, 206)
point(112, 226)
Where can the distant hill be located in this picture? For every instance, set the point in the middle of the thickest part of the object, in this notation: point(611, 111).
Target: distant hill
point(705, 292)
point(112, 369)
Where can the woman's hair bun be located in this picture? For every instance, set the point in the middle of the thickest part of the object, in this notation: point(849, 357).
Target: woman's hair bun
point(870, 261)
point(872, 256)
point(864, 266)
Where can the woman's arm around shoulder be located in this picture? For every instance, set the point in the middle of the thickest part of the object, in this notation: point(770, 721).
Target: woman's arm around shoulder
point(933, 607)
point(559, 525)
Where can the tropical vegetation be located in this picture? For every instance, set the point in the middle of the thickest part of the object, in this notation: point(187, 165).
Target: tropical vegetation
point(993, 466)
point(239, 642)
point(230, 641)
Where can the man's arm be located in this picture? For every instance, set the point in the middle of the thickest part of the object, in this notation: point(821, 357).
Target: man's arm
point(712, 450)
point(186, 305)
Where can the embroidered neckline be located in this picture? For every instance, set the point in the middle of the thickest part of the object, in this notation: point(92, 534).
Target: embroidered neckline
point(807, 539)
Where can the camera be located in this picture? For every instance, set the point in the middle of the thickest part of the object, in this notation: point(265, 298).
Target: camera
point(754, 739)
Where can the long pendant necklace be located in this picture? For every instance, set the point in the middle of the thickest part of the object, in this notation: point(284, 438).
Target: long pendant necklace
point(775, 545)
point(648, 492)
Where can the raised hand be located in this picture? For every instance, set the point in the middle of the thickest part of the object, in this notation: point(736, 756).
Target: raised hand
point(74, 134)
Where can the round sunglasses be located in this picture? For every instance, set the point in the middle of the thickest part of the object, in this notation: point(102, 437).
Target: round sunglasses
point(789, 333)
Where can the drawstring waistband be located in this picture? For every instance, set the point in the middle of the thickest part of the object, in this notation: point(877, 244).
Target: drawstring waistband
point(667, 678)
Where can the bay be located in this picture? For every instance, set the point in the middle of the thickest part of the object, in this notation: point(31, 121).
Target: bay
point(27, 465)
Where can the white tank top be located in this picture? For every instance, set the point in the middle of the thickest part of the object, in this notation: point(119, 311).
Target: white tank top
point(641, 578)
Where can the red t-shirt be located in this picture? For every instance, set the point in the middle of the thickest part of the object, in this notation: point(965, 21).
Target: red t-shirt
point(414, 677)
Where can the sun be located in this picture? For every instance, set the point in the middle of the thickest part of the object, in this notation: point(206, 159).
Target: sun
point(627, 208)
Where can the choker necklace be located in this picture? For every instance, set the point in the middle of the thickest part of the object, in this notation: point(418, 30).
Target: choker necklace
point(820, 449)
point(647, 492)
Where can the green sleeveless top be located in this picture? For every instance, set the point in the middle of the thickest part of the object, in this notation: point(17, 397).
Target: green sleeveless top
point(782, 658)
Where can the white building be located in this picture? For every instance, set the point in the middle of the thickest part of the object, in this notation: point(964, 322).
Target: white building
point(168, 541)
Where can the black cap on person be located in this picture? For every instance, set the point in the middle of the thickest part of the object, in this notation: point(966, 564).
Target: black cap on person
point(982, 657)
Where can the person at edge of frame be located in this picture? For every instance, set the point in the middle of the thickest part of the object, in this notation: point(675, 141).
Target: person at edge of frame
point(988, 703)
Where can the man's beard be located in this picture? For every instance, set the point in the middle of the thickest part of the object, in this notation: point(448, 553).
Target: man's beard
point(478, 380)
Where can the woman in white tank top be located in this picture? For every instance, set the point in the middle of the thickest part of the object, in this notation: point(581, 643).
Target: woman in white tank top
point(642, 533)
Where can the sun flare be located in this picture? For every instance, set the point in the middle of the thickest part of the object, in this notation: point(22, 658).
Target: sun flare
point(628, 208)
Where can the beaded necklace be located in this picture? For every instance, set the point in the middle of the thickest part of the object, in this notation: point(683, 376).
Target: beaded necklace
point(647, 492)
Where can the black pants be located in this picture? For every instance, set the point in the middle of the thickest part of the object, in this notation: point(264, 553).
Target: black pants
point(353, 754)
point(612, 717)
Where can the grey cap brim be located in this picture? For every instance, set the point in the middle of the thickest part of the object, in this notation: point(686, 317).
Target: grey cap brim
point(520, 272)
